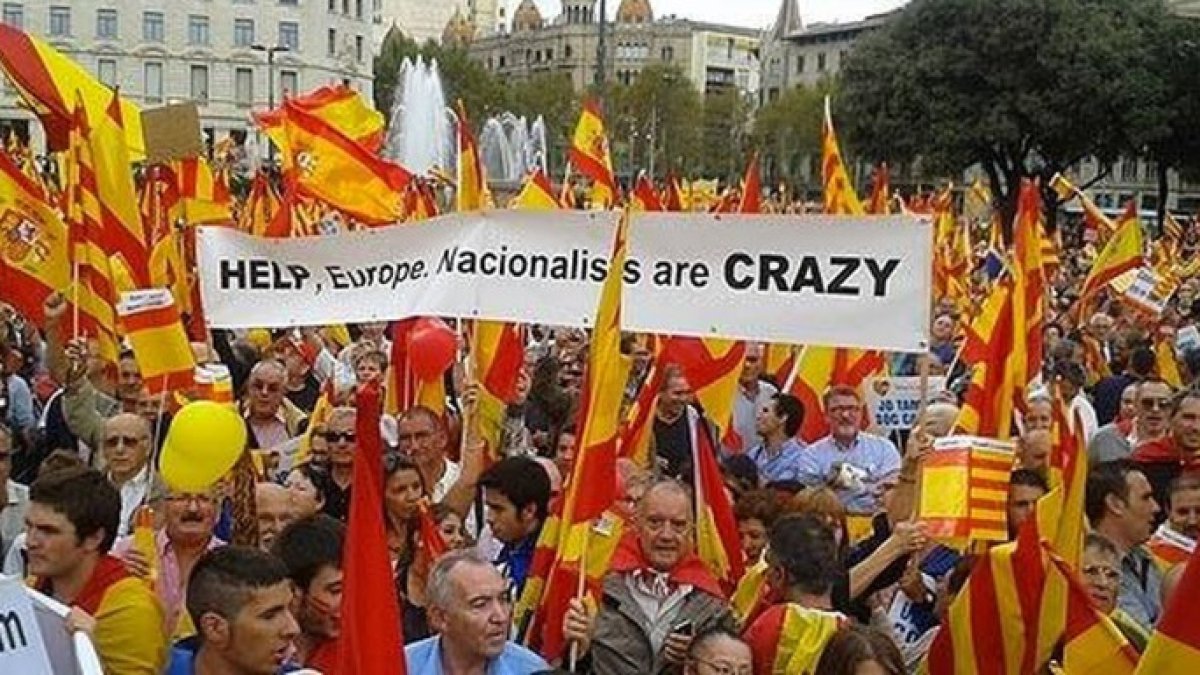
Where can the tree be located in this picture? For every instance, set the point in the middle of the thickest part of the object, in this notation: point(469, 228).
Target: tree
point(650, 122)
point(787, 132)
point(1174, 143)
point(726, 144)
point(1023, 88)
point(551, 95)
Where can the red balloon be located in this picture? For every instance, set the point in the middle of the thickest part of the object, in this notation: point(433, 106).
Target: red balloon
point(432, 346)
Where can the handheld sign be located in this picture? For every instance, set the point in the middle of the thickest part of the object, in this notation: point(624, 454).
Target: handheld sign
point(895, 402)
point(21, 647)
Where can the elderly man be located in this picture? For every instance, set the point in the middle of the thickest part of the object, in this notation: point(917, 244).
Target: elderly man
point(185, 535)
point(271, 419)
point(851, 461)
point(16, 502)
point(1151, 421)
point(275, 508)
point(718, 651)
point(1177, 453)
point(752, 396)
point(422, 437)
point(126, 452)
point(1120, 506)
point(1175, 539)
point(657, 596)
point(341, 440)
point(468, 604)
point(675, 424)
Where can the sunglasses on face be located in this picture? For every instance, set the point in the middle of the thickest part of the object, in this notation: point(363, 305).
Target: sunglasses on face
point(338, 437)
point(127, 441)
point(1154, 403)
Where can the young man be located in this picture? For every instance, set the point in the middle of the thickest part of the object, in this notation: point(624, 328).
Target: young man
point(238, 598)
point(1175, 538)
point(70, 527)
point(311, 549)
point(470, 609)
point(778, 455)
point(516, 491)
point(1025, 487)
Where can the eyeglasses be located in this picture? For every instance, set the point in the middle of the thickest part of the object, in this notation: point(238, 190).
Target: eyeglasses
point(724, 668)
point(1101, 571)
point(415, 437)
point(1154, 403)
point(336, 437)
point(128, 441)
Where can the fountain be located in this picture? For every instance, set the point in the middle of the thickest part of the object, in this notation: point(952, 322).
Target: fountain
point(420, 133)
point(510, 147)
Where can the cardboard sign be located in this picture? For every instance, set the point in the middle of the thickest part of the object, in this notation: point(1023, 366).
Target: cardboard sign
point(21, 647)
point(1147, 291)
point(1187, 339)
point(895, 401)
point(172, 132)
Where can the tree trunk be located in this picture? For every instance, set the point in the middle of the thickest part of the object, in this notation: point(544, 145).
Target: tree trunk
point(1163, 190)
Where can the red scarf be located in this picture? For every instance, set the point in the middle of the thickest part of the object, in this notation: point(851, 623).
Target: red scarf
point(629, 557)
point(1164, 451)
point(108, 571)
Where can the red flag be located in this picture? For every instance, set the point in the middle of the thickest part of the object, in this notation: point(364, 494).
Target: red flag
point(371, 642)
point(751, 188)
point(717, 540)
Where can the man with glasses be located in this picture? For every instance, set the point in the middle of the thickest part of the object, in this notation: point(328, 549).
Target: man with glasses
point(16, 496)
point(185, 534)
point(849, 460)
point(1116, 439)
point(1121, 508)
point(1178, 452)
point(126, 451)
point(657, 596)
point(341, 441)
point(271, 419)
point(718, 652)
point(422, 438)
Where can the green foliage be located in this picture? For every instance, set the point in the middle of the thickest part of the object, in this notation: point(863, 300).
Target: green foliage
point(787, 132)
point(659, 111)
point(727, 142)
point(1022, 87)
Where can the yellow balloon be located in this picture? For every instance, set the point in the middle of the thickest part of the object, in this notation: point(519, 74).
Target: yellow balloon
point(204, 442)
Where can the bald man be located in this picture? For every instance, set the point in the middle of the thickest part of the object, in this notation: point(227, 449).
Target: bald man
point(939, 419)
point(125, 446)
point(274, 508)
point(271, 419)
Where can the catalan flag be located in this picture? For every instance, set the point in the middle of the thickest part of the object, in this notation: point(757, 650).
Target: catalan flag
point(49, 82)
point(989, 402)
point(1068, 468)
point(537, 194)
point(1029, 290)
point(674, 200)
point(1175, 647)
point(261, 208)
point(592, 487)
point(1091, 642)
point(717, 540)
point(797, 636)
point(970, 502)
point(814, 373)
point(590, 156)
point(158, 199)
point(340, 107)
point(751, 187)
point(204, 195)
point(638, 425)
point(124, 235)
point(839, 189)
point(1122, 253)
point(472, 190)
point(151, 323)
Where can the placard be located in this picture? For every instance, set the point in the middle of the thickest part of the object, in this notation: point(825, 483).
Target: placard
point(22, 649)
point(895, 401)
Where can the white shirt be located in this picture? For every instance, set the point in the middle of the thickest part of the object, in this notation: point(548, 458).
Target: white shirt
point(133, 494)
point(1080, 405)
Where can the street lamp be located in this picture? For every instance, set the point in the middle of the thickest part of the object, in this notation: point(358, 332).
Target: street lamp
point(270, 52)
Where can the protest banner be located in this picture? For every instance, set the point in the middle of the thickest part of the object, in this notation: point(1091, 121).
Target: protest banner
point(1144, 289)
point(21, 647)
point(854, 282)
point(894, 402)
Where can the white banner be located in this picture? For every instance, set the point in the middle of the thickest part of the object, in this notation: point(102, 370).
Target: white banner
point(895, 401)
point(857, 282)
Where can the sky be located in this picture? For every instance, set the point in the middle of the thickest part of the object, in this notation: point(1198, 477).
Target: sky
point(750, 13)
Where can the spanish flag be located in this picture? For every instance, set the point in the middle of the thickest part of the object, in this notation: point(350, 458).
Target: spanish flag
point(324, 164)
point(537, 194)
point(1122, 253)
point(717, 540)
point(590, 156)
point(49, 82)
point(204, 195)
point(840, 197)
point(498, 353)
point(644, 198)
point(152, 325)
point(592, 486)
point(751, 187)
point(712, 367)
point(472, 190)
point(1175, 647)
point(638, 425)
point(814, 373)
point(35, 258)
point(340, 107)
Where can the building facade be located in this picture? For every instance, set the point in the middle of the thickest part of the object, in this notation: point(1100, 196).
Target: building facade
point(712, 56)
point(424, 20)
point(213, 52)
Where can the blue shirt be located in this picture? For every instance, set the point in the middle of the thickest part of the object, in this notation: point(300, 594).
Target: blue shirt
point(874, 455)
point(183, 659)
point(425, 657)
point(786, 465)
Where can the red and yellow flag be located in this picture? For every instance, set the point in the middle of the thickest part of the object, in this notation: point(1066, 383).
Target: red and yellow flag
point(751, 187)
point(712, 367)
point(1122, 253)
point(472, 190)
point(880, 202)
point(35, 258)
point(49, 81)
point(643, 197)
point(970, 502)
point(340, 107)
point(499, 355)
point(790, 638)
point(537, 194)
point(1029, 289)
point(590, 156)
point(989, 402)
point(717, 540)
point(260, 208)
point(840, 197)
point(150, 320)
point(1168, 365)
point(204, 196)
point(1175, 647)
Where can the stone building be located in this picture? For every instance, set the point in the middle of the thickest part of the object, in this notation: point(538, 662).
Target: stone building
point(424, 20)
point(214, 52)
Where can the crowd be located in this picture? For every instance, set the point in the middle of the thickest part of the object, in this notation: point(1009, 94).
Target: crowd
point(827, 529)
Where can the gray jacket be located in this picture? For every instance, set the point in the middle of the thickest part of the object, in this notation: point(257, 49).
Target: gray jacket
point(1108, 444)
point(621, 646)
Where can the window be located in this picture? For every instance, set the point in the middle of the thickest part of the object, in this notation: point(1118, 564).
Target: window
point(197, 29)
point(243, 87)
point(358, 48)
point(358, 8)
point(289, 2)
point(331, 43)
point(106, 71)
point(14, 15)
point(289, 35)
point(346, 7)
point(502, 61)
point(799, 64)
point(567, 51)
point(333, 5)
point(200, 83)
point(549, 54)
point(153, 82)
point(729, 49)
point(243, 32)
point(1129, 169)
point(152, 26)
point(821, 62)
point(668, 54)
point(60, 21)
point(106, 24)
point(289, 83)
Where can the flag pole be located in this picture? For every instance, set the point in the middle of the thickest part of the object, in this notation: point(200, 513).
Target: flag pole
point(923, 393)
point(580, 590)
point(791, 378)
